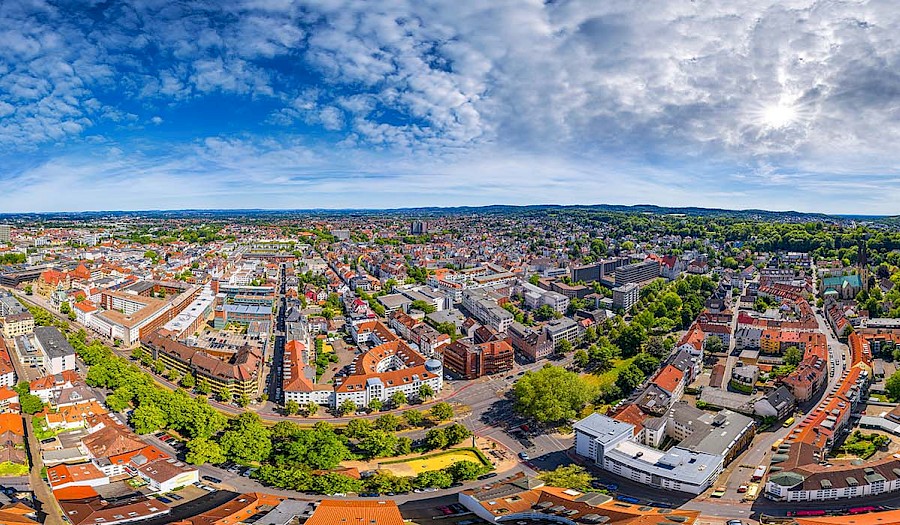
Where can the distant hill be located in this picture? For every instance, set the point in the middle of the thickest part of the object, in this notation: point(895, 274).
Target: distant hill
point(497, 209)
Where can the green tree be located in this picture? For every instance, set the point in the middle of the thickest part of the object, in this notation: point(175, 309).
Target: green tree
point(892, 386)
point(332, 483)
point(291, 408)
point(581, 358)
point(631, 338)
point(159, 367)
point(713, 345)
point(202, 451)
point(246, 439)
point(375, 405)
point(414, 418)
point(64, 308)
point(569, 477)
point(564, 346)
point(629, 378)
point(378, 444)
point(423, 306)
point(534, 279)
point(657, 347)
point(358, 428)
point(792, 356)
point(387, 422)
point(243, 400)
point(433, 478)
point(425, 392)
point(646, 363)
point(225, 395)
point(436, 438)
point(188, 381)
point(30, 403)
point(203, 387)
point(312, 408)
point(456, 433)
point(465, 470)
point(404, 446)
point(441, 411)
point(551, 394)
point(346, 407)
point(545, 312)
point(398, 399)
point(148, 418)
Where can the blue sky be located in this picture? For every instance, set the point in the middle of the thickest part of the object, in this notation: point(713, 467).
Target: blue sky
point(149, 104)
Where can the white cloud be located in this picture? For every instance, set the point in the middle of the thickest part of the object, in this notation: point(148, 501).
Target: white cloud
point(582, 89)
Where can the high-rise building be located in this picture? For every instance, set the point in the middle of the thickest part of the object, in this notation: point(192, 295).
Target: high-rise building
point(418, 228)
point(5, 232)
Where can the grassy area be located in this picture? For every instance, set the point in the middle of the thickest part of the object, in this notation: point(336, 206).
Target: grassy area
point(606, 379)
point(863, 445)
point(13, 469)
point(413, 466)
point(41, 431)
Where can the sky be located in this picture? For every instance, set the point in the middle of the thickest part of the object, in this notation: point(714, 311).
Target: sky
point(162, 104)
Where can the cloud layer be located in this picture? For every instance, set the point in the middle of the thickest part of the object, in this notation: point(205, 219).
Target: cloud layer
point(152, 103)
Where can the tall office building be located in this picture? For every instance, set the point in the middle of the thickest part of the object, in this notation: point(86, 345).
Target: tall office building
point(5, 232)
point(418, 228)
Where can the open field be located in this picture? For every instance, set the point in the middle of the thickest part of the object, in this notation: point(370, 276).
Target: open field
point(413, 466)
point(608, 378)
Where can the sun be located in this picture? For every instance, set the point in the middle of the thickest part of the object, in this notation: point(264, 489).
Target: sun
point(779, 115)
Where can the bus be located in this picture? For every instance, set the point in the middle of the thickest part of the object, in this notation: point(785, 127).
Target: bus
point(777, 444)
point(788, 422)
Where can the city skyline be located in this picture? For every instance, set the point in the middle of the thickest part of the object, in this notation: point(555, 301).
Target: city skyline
point(342, 105)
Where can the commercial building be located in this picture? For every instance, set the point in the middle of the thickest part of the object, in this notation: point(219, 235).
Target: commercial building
point(562, 328)
point(472, 361)
point(240, 374)
point(626, 296)
point(706, 442)
point(637, 273)
point(520, 499)
point(5, 232)
point(611, 445)
point(534, 297)
point(533, 344)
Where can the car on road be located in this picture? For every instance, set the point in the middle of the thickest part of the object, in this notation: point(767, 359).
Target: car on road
point(734, 522)
point(718, 493)
point(489, 475)
point(524, 456)
point(742, 489)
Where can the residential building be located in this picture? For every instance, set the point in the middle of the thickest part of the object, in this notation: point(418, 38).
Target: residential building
point(242, 508)
point(376, 512)
point(5, 233)
point(486, 310)
point(59, 354)
point(626, 296)
point(7, 370)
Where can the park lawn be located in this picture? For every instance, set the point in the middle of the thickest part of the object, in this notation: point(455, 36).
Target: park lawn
point(413, 466)
point(608, 378)
point(8, 468)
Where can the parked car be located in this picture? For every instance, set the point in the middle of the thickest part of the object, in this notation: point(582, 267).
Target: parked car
point(489, 475)
point(211, 479)
point(524, 456)
point(163, 499)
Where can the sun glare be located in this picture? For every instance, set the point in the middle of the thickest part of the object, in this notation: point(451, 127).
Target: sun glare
point(779, 115)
